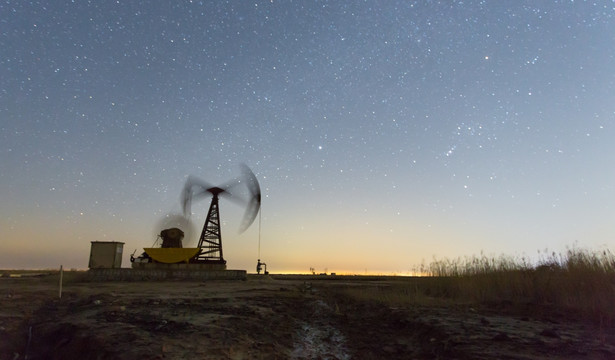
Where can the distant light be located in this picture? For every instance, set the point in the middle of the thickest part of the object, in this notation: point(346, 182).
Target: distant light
point(486, 57)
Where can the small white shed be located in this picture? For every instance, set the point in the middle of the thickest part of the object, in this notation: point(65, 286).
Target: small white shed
point(106, 254)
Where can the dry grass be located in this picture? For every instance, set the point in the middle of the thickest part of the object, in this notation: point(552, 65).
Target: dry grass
point(46, 275)
point(579, 283)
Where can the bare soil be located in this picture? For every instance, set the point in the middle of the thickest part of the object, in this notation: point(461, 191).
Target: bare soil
point(273, 318)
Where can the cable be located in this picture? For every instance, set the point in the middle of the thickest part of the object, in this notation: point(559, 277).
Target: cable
point(260, 212)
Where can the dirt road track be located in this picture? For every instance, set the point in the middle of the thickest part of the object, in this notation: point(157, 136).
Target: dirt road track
point(264, 318)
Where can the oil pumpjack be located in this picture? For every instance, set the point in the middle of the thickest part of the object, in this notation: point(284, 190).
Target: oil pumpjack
point(208, 254)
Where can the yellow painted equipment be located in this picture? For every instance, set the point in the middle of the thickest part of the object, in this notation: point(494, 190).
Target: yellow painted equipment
point(172, 255)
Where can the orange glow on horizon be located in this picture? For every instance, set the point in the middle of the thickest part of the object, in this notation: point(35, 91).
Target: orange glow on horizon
point(343, 273)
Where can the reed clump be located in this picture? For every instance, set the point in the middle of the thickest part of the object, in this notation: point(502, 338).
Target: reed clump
point(579, 280)
point(577, 283)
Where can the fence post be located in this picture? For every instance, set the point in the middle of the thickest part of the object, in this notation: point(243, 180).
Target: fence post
point(61, 275)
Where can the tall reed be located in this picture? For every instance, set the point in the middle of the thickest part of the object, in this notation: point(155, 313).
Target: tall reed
point(579, 280)
point(577, 283)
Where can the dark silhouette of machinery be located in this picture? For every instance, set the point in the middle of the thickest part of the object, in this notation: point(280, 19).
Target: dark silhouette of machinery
point(259, 267)
point(210, 241)
point(172, 238)
point(208, 252)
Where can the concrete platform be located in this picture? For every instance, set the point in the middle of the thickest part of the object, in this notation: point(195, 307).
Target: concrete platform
point(158, 274)
point(179, 266)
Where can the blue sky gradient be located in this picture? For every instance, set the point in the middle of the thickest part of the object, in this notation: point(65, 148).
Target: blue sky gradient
point(382, 133)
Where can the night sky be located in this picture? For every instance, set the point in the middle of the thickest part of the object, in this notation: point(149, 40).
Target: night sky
point(383, 133)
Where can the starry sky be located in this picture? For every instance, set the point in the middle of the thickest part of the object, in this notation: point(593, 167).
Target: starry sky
point(383, 133)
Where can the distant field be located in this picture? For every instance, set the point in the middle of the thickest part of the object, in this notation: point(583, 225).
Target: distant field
point(300, 317)
point(579, 282)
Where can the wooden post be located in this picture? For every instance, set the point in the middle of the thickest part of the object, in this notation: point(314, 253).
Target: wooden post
point(61, 275)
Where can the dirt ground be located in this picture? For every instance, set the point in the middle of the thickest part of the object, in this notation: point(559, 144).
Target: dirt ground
point(271, 318)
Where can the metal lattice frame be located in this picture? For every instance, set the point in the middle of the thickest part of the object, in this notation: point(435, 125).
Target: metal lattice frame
point(210, 241)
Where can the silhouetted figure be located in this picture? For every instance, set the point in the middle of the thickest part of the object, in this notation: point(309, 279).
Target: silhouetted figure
point(259, 267)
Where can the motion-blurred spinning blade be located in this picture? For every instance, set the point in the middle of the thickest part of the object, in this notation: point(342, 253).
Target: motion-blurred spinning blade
point(196, 189)
point(254, 202)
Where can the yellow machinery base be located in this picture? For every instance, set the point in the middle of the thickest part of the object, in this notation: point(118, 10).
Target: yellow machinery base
point(171, 255)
